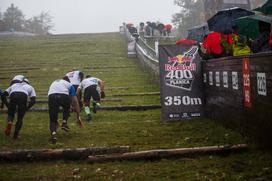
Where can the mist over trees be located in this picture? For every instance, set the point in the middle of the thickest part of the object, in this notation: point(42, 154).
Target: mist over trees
point(190, 15)
point(13, 19)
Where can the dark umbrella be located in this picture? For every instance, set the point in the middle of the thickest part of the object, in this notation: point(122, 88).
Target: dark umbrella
point(249, 25)
point(222, 21)
point(266, 8)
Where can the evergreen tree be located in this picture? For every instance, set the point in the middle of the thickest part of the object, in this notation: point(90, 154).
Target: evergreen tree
point(13, 19)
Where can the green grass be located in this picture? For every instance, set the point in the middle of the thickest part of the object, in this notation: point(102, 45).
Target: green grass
point(98, 54)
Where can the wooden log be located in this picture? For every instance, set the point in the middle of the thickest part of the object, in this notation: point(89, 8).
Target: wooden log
point(110, 67)
point(21, 69)
point(136, 94)
point(167, 153)
point(13, 72)
point(102, 100)
point(108, 108)
point(64, 154)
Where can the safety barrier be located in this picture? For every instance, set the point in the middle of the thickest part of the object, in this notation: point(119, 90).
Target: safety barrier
point(237, 90)
point(238, 93)
point(146, 55)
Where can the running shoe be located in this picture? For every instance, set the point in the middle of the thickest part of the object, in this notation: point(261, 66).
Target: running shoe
point(8, 129)
point(65, 127)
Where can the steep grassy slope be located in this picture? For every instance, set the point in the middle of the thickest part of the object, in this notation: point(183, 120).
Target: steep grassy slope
point(44, 59)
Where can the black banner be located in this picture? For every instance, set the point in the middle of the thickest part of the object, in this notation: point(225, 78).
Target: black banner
point(181, 82)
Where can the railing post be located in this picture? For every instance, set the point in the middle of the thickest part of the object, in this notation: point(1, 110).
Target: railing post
point(157, 48)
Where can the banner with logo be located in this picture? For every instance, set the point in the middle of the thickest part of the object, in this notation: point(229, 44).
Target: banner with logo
point(181, 82)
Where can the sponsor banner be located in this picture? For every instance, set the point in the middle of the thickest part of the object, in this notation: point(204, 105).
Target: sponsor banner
point(217, 79)
point(181, 82)
point(210, 78)
point(234, 78)
point(261, 84)
point(225, 79)
point(246, 83)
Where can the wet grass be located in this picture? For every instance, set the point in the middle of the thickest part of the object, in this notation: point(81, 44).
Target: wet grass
point(100, 55)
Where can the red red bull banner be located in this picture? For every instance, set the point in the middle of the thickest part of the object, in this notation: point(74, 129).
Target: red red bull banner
point(180, 82)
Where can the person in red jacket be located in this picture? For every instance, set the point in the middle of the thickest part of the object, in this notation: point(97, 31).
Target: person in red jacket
point(211, 46)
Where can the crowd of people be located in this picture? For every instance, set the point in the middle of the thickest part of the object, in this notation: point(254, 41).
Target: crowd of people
point(232, 43)
point(20, 96)
point(150, 29)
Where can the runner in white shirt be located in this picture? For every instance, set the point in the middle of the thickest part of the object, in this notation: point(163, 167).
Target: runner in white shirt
point(92, 88)
point(59, 96)
point(18, 95)
point(17, 79)
point(75, 77)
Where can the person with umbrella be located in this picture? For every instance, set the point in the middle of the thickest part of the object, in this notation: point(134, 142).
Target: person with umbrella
point(239, 46)
point(261, 43)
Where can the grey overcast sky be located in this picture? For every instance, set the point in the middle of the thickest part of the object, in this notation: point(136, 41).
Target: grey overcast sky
point(91, 16)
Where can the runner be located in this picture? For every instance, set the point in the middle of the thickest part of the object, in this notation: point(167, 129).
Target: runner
point(75, 77)
point(18, 95)
point(59, 96)
point(17, 79)
point(92, 88)
point(2, 104)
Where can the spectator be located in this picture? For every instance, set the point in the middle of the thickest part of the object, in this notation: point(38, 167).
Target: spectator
point(18, 94)
point(227, 42)
point(160, 28)
point(211, 46)
point(148, 28)
point(270, 38)
point(153, 26)
point(142, 27)
point(261, 43)
point(92, 88)
point(240, 46)
point(58, 96)
point(168, 29)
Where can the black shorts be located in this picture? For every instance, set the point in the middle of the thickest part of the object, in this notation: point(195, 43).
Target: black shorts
point(18, 100)
point(91, 91)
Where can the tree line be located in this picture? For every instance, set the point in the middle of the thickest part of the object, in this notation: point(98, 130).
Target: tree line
point(13, 19)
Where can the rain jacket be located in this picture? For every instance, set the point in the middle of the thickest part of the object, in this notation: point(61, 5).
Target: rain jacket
point(239, 46)
point(212, 43)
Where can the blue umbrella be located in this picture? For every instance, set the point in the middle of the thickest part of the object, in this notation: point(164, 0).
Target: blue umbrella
point(223, 20)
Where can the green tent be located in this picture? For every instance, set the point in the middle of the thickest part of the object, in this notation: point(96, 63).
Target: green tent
point(249, 24)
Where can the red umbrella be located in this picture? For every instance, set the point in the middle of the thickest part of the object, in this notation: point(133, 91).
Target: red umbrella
point(168, 26)
point(186, 42)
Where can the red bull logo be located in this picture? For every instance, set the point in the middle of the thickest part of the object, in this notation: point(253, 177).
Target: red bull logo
point(180, 59)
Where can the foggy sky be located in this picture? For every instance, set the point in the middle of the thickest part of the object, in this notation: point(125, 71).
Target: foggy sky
point(90, 16)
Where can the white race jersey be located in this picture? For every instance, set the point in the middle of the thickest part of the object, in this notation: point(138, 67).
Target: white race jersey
point(60, 87)
point(22, 87)
point(74, 77)
point(88, 82)
point(19, 77)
